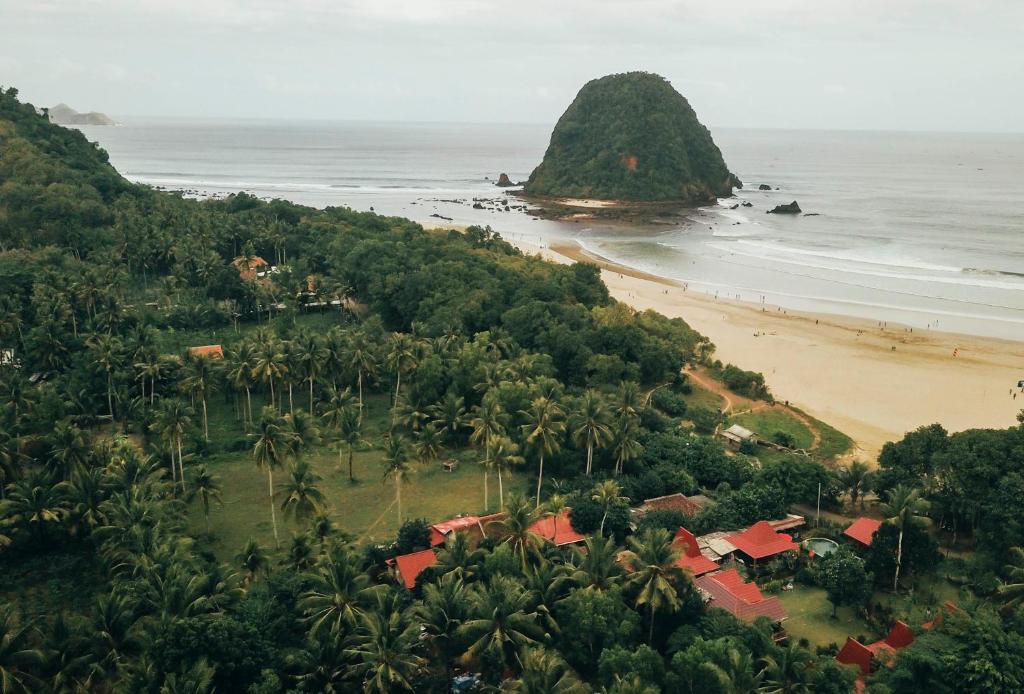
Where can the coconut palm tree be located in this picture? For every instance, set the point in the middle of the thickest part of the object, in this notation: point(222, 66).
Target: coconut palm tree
point(17, 656)
point(607, 494)
point(268, 364)
point(273, 442)
point(487, 424)
point(596, 563)
point(300, 498)
point(627, 400)
point(504, 457)
point(401, 358)
point(554, 507)
point(322, 528)
point(383, 650)
point(253, 560)
point(201, 379)
point(427, 444)
point(151, 367)
point(239, 374)
point(545, 424)
point(1012, 592)
point(515, 528)
point(34, 504)
point(85, 492)
point(789, 671)
point(905, 508)
point(654, 576)
point(106, 354)
point(362, 359)
point(589, 425)
point(301, 555)
point(396, 466)
point(207, 488)
point(310, 357)
point(626, 444)
point(350, 433)
point(337, 595)
point(450, 415)
point(172, 420)
point(545, 672)
point(442, 611)
point(502, 625)
point(855, 479)
point(68, 449)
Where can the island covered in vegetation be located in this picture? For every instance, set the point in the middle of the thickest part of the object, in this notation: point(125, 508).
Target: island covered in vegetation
point(255, 447)
point(632, 137)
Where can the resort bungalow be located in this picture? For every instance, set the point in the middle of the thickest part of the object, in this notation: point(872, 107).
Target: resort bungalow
point(691, 559)
point(212, 351)
point(735, 436)
point(761, 541)
point(250, 267)
point(689, 506)
point(862, 531)
point(855, 653)
point(557, 529)
point(408, 567)
point(728, 591)
point(439, 532)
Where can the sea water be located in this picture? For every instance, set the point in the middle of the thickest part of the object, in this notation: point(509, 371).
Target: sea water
point(920, 229)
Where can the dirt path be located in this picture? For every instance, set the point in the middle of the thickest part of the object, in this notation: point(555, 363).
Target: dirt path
point(713, 386)
point(375, 523)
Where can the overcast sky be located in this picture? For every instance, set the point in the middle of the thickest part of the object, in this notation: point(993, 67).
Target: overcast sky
point(854, 64)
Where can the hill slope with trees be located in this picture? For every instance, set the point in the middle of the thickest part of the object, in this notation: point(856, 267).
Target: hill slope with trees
point(632, 137)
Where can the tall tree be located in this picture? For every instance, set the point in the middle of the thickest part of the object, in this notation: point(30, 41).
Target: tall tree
point(273, 442)
point(172, 421)
point(589, 425)
point(207, 488)
point(300, 496)
point(545, 424)
point(488, 423)
point(904, 508)
point(201, 379)
point(607, 494)
point(655, 578)
point(396, 466)
point(855, 479)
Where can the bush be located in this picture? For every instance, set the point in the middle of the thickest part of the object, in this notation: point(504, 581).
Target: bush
point(704, 419)
point(663, 518)
point(413, 536)
point(669, 402)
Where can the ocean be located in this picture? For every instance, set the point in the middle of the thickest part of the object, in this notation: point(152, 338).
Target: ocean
point(923, 230)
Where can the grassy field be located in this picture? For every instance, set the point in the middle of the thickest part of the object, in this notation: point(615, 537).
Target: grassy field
point(364, 508)
point(701, 397)
point(765, 423)
point(810, 617)
point(833, 441)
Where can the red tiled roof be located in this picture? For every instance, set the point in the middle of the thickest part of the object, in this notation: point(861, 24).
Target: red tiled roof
point(439, 532)
point(728, 591)
point(247, 268)
point(900, 636)
point(760, 540)
point(854, 652)
point(672, 502)
point(548, 526)
point(691, 560)
point(410, 565)
point(863, 530)
point(215, 351)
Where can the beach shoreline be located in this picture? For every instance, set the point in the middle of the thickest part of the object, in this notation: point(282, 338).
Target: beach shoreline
point(871, 382)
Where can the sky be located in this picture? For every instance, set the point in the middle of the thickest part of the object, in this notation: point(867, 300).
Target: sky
point(945, 65)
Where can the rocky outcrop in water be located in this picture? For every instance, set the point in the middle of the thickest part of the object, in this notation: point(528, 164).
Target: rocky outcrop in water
point(504, 181)
point(789, 208)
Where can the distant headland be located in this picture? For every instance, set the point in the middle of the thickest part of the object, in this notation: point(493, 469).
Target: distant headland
point(62, 114)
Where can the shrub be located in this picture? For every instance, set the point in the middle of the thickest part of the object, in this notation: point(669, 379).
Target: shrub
point(784, 439)
point(669, 402)
point(413, 536)
point(663, 518)
point(704, 420)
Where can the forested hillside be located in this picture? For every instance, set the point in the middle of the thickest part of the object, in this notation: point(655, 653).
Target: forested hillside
point(215, 417)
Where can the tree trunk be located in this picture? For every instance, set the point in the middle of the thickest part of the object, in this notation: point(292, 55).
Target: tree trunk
point(398, 496)
point(248, 402)
point(181, 466)
point(291, 404)
point(540, 478)
point(110, 396)
point(650, 628)
point(604, 517)
point(590, 457)
point(360, 379)
point(206, 422)
point(174, 472)
point(311, 395)
point(501, 490)
point(271, 391)
point(273, 514)
point(350, 454)
point(899, 561)
point(487, 462)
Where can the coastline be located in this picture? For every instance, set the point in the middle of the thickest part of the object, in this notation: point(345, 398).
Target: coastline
point(841, 370)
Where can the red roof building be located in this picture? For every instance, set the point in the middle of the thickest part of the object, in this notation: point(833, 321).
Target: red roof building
point(672, 502)
point(409, 566)
point(691, 560)
point(728, 590)
point(863, 530)
point(855, 653)
point(557, 529)
point(439, 532)
point(212, 351)
point(760, 541)
point(249, 268)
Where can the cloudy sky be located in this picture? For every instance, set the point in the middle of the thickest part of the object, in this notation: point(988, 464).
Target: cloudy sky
point(853, 64)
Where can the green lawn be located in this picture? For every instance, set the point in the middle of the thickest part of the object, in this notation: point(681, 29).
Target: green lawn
point(768, 421)
point(700, 397)
point(810, 617)
point(833, 441)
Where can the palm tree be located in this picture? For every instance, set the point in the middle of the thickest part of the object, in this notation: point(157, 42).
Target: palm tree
point(627, 400)
point(240, 374)
point(363, 360)
point(788, 672)
point(253, 560)
point(207, 488)
point(34, 504)
point(654, 574)
point(172, 420)
point(607, 494)
point(197, 679)
point(349, 432)
point(151, 367)
point(450, 415)
point(384, 651)
point(487, 424)
point(501, 626)
point(544, 672)
point(322, 528)
point(589, 425)
point(442, 611)
point(272, 444)
point(17, 656)
point(86, 491)
point(401, 358)
point(905, 508)
point(396, 466)
point(427, 444)
point(855, 479)
point(554, 507)
point(626, 444)
point(68, 449)
point(596, 563)
point(542, 430)
point(201, 379)
point(301, 498)
point(515, 526)
point(735, 673)
point(310, 357)
point(1012, 592)
point(505, 456)
point(337, 594)
point(300, 552)
point(106, 354)
point(268, 364)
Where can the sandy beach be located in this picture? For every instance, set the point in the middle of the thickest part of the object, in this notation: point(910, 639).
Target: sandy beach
point(842, 370)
